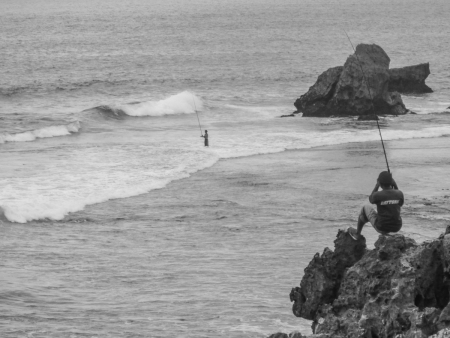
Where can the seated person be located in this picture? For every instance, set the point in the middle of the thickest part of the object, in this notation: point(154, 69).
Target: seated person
point(389, 200)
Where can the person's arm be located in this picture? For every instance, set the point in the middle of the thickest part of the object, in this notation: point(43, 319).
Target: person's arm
point(394, 184)
point(375, 189)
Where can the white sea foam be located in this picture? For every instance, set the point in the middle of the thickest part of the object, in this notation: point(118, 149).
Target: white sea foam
point(282, 326)
point(52, 131)
point(98, 174)
point(181, 103)
point(93, 177)
point(36, 207)
point(277, 142)
point(427, 110)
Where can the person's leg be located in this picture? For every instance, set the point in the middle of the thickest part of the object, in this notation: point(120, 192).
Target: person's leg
point(367, 214)
point(362, 220)
point(372, 216)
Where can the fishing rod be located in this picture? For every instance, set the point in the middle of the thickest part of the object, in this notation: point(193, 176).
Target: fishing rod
point(198, 119)
point(371, 100)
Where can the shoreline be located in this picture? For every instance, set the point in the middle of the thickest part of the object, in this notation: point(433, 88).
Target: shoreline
point(431, 148)
point(231, 240)
point(236, 235)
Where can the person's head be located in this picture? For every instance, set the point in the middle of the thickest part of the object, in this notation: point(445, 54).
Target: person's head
point(206, 132)
point(385, 179)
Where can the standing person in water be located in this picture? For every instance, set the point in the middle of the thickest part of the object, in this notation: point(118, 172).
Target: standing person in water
point(206, 138)
point(389, 200)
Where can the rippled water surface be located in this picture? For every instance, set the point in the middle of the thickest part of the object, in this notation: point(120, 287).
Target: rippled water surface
point(116, 221)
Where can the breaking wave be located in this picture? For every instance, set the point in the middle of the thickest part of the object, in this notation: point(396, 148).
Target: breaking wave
point(181, 103)
point(45, 132)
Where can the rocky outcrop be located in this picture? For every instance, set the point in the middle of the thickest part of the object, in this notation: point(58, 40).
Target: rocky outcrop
point(361, 87)
point(323, 275)
point(284, 335)
point(410, 80)
point(288, 115)
point(398, 289)
point(318, 96)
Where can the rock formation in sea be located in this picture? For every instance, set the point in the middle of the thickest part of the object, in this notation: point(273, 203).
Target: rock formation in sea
point(398, 289)
point(410, 80)
point(361, 87)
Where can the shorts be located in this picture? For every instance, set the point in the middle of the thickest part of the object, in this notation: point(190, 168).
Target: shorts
point(369, 214)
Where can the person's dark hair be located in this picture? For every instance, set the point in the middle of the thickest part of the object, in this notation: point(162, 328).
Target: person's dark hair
point(385, 179)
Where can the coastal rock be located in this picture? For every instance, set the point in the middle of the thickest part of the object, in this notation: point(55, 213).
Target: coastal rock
point(363, 86)
point(288, 115)
point(398, 289)
point(323, 275)
point(410, 79)
point(357, 90)
point(320, 93)
point(284, 335)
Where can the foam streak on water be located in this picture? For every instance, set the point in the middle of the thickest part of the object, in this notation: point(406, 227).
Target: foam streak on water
point(52, 131)
point(73, 176)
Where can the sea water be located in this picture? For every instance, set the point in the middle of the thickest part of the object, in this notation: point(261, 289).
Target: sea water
point(117, 221)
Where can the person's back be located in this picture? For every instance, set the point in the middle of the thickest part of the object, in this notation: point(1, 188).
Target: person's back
point(388, 203)
point(389, 200)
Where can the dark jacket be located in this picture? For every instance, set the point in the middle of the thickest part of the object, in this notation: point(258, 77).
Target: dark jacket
point(388, 203)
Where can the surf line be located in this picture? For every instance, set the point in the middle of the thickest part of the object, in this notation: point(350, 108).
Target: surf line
point(198, 119)
point(371, 100)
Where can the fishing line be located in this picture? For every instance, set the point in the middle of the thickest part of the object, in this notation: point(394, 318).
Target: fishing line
point(198, 119)
point(371, 100)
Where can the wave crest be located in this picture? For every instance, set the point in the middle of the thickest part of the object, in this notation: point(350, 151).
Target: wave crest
point(51, 131)
point(109, 112)
point(181, 103)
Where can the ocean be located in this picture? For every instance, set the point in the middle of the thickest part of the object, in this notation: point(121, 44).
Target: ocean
point(117, 221)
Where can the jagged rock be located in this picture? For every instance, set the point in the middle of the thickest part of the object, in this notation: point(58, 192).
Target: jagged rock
point(447, 230)
point(398, 289)
point(284, 335)
point(410, 79)
point(390, 247)
point(288, 115)
point(320, 93)
point(323, 275)
point(278, 335)
point(363, 86)
point(445, 333)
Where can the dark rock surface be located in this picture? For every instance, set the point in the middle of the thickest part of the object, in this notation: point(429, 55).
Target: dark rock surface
point(361, 87)
point(323, 275)
point(410, 80)
point(284, 335)
point(320, 93)
point(398, 289)
point(288, 115)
